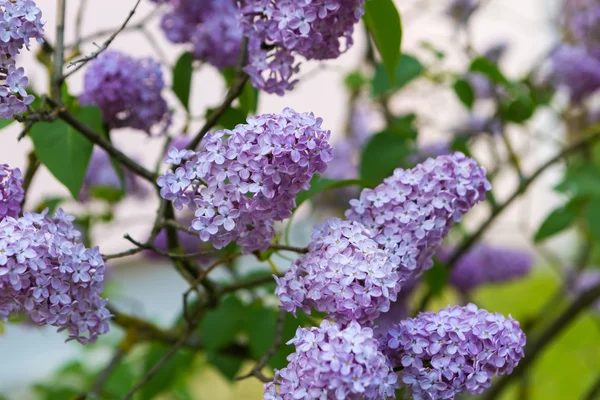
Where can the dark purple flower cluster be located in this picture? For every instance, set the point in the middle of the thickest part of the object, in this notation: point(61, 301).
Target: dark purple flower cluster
point(280, 30)
point(412, 211)
point(11, 191)
point(461, 10)
point(20, 21)
point(242, 180)
point(49, 275)
point(455, 350)
point(487, 264)
point(101, 173)
point(128, 91)
point(344, 274)
point(334, 362)
point(577, 69)
point(211, 26)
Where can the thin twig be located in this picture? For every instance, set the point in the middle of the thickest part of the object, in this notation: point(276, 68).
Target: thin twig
point(79, 21)
point(59, 52)
point(247, 284)
point(257, 370)
point(535, 347)
point(126, 253)
point(300, 250)
point(148, 246)
point(82, 61)
point(33, 164)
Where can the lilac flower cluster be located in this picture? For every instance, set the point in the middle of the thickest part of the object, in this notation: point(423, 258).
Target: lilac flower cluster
point(584, 26)
point(487, 264)
point(20, 21)
point(210, 26)
point(280, 30)
point(128, 91)
point(101, 173)
point(243, 180)
point(413, 210)
point(344, 274)
point(455, 350)
point(49, 275)
point(11, 191)
point(332, 362)
point(461, 10)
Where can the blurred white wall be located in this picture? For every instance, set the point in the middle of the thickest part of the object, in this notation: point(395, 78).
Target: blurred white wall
point(154, 290)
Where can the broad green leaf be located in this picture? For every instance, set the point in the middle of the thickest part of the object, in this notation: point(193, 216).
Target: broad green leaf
point(107, 193)
point(436, 278)
point(383, 22)
point(557, 221)
point(407, 69)
point(64, 151)
point(464, 92)
point(182, 78)
point(593, 217)
point(230, 118)
point(355, 80)
point(249, 99)
point(581, 180)
point(229, 366)
point(221, 325)
point(52, 392)
point(519, 106)
point(169, 374)
point(121, 380)
point(51, 203)
point(261, 330)
point(489, 69)
point(5, 122)
point(290, 326)
point(319, 184)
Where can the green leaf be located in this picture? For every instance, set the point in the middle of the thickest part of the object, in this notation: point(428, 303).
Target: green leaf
point(581, 181)
point(290, 325)
point(593, 217)
point(519, 106)
point(64, 151)
point(5, 122)
point(436, 278)
point(169, 374)
point(107, 193)
point(489, 69)
point(407, 69)
point(557, 221)
point(51, 203)
point(221, 325)
point(121, 380)
point(182, 78)
point(261, 330)
point(249, 99)
point(383, 22)
point(319, 185)
point(230, 118)
point(229, 366)
point(464, 92)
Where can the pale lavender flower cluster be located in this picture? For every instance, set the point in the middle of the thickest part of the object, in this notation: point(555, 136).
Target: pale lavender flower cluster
point(585, 26)
point(334, 362)
point(49, 275)
point(344, 274)
point(211, 26)
point(11, 191)
point(456, 350)
point(20, 21)
point(128, 91)
point(242, 180)
point(101, 173)
point(280, 30)
point(412, 211)
point(484, 264)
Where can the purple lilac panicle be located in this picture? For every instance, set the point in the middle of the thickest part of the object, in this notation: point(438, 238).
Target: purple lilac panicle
point(332, 362)
point(456, 350)
point(412, 211)
point(49, 275)
point(487, 264)
point(128, 91)
point(344, 274)
point(585, 26)
point(20, 21)
point(576, 69)
point(279, 31)
point(242, 180)
point(11, 191)
point(211, 26)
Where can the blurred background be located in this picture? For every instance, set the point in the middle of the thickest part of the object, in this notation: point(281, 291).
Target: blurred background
point(150, 288)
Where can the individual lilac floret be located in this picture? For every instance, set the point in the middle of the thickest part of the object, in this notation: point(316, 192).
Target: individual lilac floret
point(279, 31)
point(20, 21)
point(456, 350)
point(413, 210)
point(211, 26)
point(11, 191)
point(461, 10)
point(128, 91)
point(344, 274)
point(46, 273)
point(242, 180)
point(577, 70)
point(585, 26)
point(484, 264)
point(101, 173)
point(334, 363)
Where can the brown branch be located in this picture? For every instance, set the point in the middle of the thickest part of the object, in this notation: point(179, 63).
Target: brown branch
point(148, 246)
point(534, 349)
point(33, 165)
point(82, 61)
point(59, 53)
point(79, 21)
point(247, 284)
point(300, 250)
point(126, 253)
